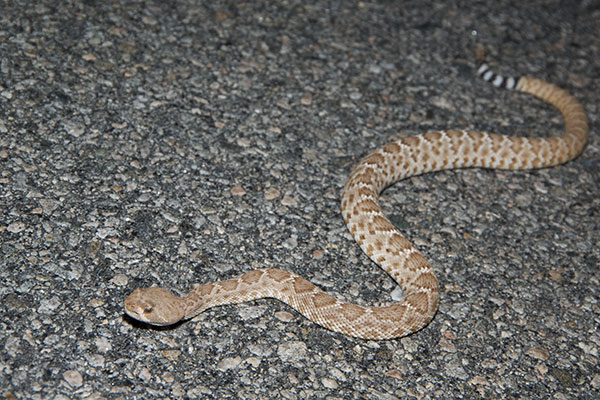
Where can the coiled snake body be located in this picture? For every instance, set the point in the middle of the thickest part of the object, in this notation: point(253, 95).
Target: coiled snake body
point(375, 234)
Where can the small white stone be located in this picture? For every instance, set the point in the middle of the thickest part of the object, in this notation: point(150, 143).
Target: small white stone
point(254, 361)
point(284, 316)
point(397, 294)
point(16, 227)
point(272, 194)
point(73, 378)
point(329, 383)
point(144, 374)
point(292, 351)
point(229, 363)
point(49, 305)
point(103, 345)
point(119, 280)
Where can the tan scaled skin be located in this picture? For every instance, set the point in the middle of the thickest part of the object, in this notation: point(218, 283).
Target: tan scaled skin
point(375, 234)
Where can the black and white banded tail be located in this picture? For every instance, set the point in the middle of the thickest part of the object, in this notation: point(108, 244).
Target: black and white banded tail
point(497, 80)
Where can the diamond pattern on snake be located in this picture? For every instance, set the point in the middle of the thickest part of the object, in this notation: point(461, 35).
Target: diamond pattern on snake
point(375, 234)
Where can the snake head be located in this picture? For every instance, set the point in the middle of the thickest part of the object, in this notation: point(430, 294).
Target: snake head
point(155, 306)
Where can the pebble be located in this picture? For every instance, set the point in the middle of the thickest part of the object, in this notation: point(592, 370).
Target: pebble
point(306, 99)
point(289, 201)
point(144, 374)
point(229, 363)
point(293, 351)
point(73, 378)
point(47, 306)
point(272, 194)
point(329, 383)
point(455, 370)
point(237, 190)
point(538, 352)
point(447, 345)
point(16, 227)
point(103, 344)
point(247, 312)
point(284, 316)
point(120, 280)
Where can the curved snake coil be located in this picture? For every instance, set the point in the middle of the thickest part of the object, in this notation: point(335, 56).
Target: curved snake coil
point(375, 234)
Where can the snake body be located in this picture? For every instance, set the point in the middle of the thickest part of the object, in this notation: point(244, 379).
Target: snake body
point(375, 234)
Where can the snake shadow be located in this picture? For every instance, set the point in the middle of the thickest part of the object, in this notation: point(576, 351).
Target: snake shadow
point(143, 325)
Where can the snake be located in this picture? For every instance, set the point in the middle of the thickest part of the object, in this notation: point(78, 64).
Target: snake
point(379, 239)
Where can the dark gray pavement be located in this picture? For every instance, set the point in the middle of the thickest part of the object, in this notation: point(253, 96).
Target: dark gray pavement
point(172, 142)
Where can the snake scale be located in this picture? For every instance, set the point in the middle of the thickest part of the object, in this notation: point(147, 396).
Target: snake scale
point(375, 234)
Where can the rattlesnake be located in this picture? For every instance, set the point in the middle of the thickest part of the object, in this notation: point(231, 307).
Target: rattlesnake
point(378, 238)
